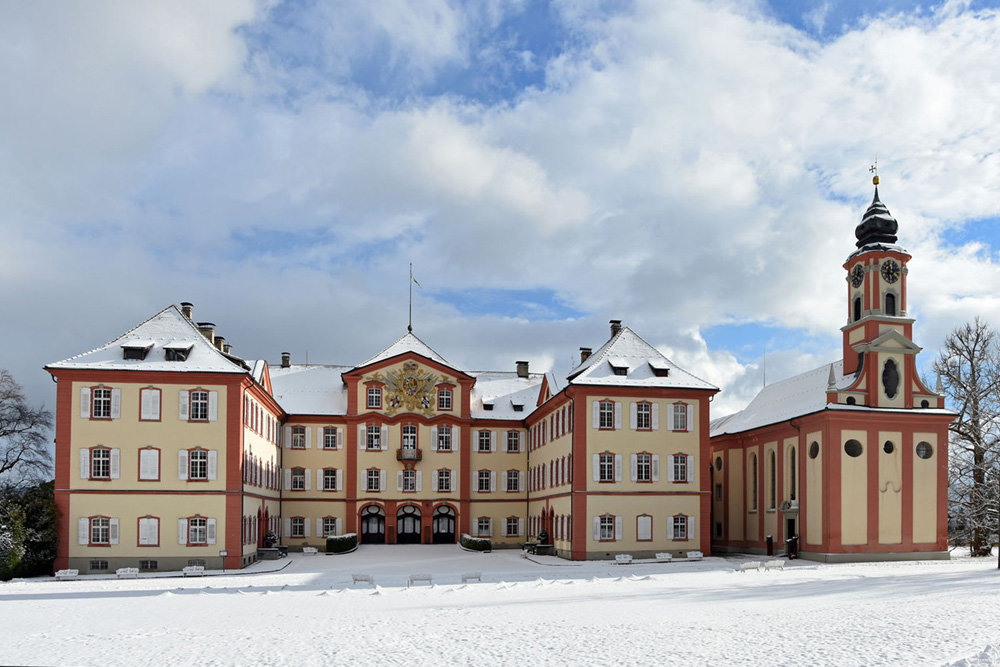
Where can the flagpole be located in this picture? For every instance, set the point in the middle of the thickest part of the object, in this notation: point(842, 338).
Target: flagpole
point(409, 326)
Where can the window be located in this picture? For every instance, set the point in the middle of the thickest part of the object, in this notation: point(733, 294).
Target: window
point(484, 527)
point(513, 442)
point(444, 438)
point(298, 527)
point(199, 406)
point(607, 468)
point(753, 483)
point(643, 416)
point(792, 472)
point(329, 526)
point(101, 407)
point(409, 480)
point(149, 531)
point(607, 528)
point(409, 436)
point(329, 438)
point(925, 450)
point(718, 492)
point(773, 470)
point(890, 378)
point(374, 439)
point(98, 565)
point(513, 481)
point(197, 531)
point(298, 437)
point(644, 528)
point(100, 530)
point(512, 526)
point(100, 463)
point(680, 524)
point(149, 464)
point(198, 464)
point(680, 412)
point(373, 478)
point(680, 465)
point(643, 468)
point(148, 565)
point(329, 479)
point(149, 404)
point(853, 448)
point(298, 479)
point(444, 480)
point(483, 481)
point(857, 308)
point(484, 441)
point(374, 398)
point(890, 304)
point(444, 399)
point(607, 415)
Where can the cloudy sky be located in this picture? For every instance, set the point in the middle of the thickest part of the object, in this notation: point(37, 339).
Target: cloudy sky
point(694, 168)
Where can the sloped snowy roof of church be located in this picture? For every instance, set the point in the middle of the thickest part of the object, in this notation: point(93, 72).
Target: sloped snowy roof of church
point(799, 395)
point(310, 389)
point(628, 350)
point(168, 328)
point(409, 343)
point(505, 391)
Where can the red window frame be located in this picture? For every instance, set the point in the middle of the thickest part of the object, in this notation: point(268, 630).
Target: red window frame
point(138, 520)
point(93, 402)
point(90, 531)
point(649, 416)
point(445, 391)
point(159, 464)
point(652, 527)
point(159, 412)
point(600, 415)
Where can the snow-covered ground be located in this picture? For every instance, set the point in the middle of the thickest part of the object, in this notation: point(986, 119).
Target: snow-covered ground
point(523, 612)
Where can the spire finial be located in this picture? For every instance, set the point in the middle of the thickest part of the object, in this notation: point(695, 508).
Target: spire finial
point(874, 170)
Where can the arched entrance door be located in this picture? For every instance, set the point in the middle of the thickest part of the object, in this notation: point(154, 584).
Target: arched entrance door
point(408, 525)
point(373, 525)
point(443, 525)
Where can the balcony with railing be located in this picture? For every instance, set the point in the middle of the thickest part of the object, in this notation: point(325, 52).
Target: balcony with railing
point(408, 454)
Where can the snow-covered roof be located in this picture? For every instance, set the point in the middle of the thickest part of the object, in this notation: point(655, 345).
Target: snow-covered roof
point(168, 328)
point(627, 349)
point(877, 247)
point(409, 343)
point(504, 390)
point(310, 389)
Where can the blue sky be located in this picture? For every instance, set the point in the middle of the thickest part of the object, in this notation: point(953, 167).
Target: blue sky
point(694, 168)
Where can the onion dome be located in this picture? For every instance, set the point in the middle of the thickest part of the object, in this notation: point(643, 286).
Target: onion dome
point(877, 224)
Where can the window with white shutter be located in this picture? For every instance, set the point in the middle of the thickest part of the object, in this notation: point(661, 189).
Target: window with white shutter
point(149, 404)
point(149, 464)
point(149, 531)
point(644, 528)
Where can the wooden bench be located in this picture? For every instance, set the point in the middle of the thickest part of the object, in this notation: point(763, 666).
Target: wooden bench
point(63, 575)
point(774, 565)
point(469, 576)
point(695, 555)
point(663, 558)
point(623, 559)
point(750, 566)
point(414, 578)
point(362, 579)
point(194, 571)
point(127, 573)
point(309, 551)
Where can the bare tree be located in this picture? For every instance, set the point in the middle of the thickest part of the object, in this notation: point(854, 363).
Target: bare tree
point(24, 437)
point(969, 368)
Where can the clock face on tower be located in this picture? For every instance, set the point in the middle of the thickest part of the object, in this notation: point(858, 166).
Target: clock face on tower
point(857, 276)
point(890, 271)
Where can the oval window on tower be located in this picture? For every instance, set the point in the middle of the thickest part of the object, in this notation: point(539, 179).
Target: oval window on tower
point(853, 448)
point(890, 378)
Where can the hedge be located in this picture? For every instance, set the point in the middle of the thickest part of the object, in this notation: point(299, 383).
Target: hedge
point(475, 543)
point(342, 543)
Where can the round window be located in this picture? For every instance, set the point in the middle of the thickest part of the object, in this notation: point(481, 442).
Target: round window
point(925, 450)
point(853, 448)
point(888, 447)
point(851, 400)
point(814, 450)
point(718, 463)
point(925, 403)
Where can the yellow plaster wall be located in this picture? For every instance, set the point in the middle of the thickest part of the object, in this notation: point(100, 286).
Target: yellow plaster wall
point(814, 490)
point(629, 507)
point(890, 488)
point(853, 490)
point(925, 490)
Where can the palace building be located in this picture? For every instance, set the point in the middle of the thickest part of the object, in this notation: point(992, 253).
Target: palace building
point(851, 457)
point(173, 451)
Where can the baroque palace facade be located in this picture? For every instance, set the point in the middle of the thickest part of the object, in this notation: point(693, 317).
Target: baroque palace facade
point(172, 451)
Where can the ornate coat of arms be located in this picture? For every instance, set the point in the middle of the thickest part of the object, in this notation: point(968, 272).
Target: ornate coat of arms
point(409, 389)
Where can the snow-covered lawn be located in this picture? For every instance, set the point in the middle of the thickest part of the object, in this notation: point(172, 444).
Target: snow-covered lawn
point(523, 612)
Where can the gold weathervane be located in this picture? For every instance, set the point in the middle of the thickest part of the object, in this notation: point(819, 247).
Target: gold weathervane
point(874, 169)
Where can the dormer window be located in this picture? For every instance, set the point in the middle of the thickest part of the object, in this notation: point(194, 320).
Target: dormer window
point(518, 407)
point(136, 351)
point(619, 366)
point(660, 368)
point(178, 351)
point(488, 407)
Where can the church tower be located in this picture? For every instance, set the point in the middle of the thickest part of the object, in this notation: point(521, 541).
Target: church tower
point(878, 337)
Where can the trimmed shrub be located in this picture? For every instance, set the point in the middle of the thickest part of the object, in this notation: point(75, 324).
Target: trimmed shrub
point(475, 543)
point(342, 543)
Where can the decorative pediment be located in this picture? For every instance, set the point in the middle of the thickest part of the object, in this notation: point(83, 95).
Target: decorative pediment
point(890, 341)
point(409, 388)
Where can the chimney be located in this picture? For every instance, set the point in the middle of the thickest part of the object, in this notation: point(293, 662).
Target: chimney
point(220, 343)
point(522, 369)
point(207, 329)
point(616, 326)
point(585, 353)
point(187, 309)
point(286, 359)
point(228, 349)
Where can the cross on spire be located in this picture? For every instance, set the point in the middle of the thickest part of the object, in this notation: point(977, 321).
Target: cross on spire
point(874, 170)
